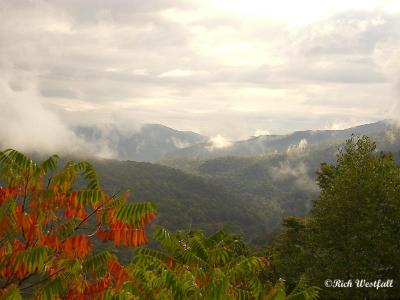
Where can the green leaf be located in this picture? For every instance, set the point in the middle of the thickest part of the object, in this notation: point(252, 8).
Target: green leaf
point(12, 293)
point(89, 173)
point(133, 213)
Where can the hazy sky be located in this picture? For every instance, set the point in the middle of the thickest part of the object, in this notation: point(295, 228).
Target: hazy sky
point(224, 67)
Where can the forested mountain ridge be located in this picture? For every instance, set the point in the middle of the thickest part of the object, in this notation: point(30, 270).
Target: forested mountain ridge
point(270, 144)
point(155, 142)
point(250, 194)
point(183, 200)
point(281, 184)
point(148, 143)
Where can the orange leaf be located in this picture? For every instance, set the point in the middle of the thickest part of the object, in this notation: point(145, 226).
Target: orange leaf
point(124, 234)
point(117, 236)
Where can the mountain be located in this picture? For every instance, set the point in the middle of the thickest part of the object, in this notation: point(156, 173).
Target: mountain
point(158, 143)
point(183, 200)
point(251, 185)
point(267, 144)
point(273, 177)
point(150, 143)
point(280, 184)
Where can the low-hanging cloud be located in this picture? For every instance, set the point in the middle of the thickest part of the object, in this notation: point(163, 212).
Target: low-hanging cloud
point(301, 147)
point(298, 171)
point(218, 142)
point(25, 124)
point(179, 143)
point(261, 132)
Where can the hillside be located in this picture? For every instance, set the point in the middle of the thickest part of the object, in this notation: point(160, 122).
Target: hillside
point(183, 200)
point(251, 194)
point(154, 142)
point(150, 142)
point(269, 144)
point(280, 184)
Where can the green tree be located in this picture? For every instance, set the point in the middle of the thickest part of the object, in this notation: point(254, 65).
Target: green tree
point(287, 252)
point(354, 228)
point(194, 266)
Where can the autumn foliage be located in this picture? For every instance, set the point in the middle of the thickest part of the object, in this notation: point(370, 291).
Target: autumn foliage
point(49, 224)
point(44, 253)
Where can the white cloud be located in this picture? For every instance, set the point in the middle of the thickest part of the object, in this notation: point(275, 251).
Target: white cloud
point(27, 125)
point(261, 132)
point(180, 144)
point(298, 13)
point(177, 73)
point(218, 67)
point(298, 171)
point(218, 142)
point(139, 72)
point(298, 148)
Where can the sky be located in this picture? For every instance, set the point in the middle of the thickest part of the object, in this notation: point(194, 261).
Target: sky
point(227, 69)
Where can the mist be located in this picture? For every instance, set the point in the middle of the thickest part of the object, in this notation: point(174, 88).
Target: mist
point(26, 125)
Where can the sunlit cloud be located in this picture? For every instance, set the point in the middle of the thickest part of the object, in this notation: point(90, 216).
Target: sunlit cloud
point(177, 73)
point(261, 132)
point(218, 142)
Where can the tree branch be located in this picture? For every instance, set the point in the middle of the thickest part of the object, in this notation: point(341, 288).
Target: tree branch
point(43, 280)
point(94, 211)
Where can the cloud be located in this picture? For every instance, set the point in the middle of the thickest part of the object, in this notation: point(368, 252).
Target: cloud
point(299, 148)
point(180, 144)
point(28, 126)
point(297, 171)
point(176, 73)
point(387, 56)
point(130, 62)
point(261, 132)
point(336, 125)
point(218, 142)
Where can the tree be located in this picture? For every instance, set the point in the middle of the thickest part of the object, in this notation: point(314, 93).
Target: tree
point(288, 253)
point(354, 230)
point(194, 266)
point(44, 253)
